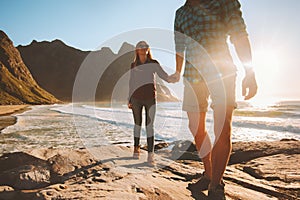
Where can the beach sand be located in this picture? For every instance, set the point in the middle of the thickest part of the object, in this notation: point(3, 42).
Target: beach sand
point(10, 109)
point(6, 114)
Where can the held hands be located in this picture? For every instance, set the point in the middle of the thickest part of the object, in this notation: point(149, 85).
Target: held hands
point(174, 77)
point(249, 85)
point(130, 105)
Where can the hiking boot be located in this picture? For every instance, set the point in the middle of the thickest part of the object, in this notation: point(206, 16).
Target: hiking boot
point(217, 193)
point(136, 152)
point(150, 159)
point(201, 185)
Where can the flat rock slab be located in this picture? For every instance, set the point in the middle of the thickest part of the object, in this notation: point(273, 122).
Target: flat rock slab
point(109, 172)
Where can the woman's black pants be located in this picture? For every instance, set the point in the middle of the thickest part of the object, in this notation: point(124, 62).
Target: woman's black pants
point(150, 109)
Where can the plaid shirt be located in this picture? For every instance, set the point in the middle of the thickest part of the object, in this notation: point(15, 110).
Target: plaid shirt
point(209, 23)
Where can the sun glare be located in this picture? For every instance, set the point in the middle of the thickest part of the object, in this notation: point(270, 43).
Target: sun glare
point(266, 62)
point(267, 65)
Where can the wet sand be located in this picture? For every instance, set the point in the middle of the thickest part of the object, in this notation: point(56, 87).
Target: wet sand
point(7, 112)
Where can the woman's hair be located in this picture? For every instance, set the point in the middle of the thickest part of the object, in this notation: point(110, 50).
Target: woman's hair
point(141, 45)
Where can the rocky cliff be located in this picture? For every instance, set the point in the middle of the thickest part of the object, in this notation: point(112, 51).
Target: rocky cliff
point(55, 65)
point(17, 86)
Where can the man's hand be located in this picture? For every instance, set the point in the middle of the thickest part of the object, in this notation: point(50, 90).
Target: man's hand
point(174, 77)
point(129, 105)
point(249, 85)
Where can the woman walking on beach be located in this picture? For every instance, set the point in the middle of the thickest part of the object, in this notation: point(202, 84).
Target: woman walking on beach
point(142, 93)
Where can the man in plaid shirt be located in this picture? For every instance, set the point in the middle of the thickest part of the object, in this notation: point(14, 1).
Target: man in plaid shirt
point(202, 28)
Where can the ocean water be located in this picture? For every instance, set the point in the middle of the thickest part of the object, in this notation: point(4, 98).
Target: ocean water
point(91, 125)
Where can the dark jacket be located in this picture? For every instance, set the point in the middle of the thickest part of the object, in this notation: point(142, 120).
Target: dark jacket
point(142, 80)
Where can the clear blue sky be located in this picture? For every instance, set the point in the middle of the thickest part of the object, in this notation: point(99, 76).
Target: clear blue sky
point(273, 26)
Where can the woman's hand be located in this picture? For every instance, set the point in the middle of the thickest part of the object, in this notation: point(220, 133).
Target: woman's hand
point(130, 105)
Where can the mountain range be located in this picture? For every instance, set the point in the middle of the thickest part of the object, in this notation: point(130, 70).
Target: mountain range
point(54, 66)
point(17, 86)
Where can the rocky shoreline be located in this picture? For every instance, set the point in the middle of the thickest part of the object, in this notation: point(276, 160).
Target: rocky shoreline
point(257, 170)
